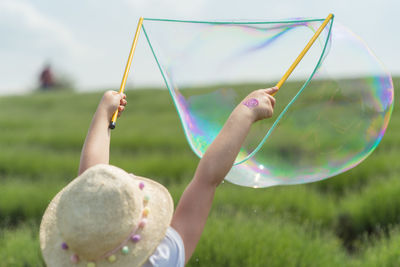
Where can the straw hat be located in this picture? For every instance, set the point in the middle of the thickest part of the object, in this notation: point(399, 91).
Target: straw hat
point(105, 217)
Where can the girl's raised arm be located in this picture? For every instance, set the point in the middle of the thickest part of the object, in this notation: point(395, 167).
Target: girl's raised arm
point(96, 149)
point(194, 206)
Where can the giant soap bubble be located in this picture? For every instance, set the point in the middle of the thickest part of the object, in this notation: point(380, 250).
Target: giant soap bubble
point(329, 116)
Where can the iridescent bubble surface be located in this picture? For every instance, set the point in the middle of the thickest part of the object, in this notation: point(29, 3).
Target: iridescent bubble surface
point(329, 116)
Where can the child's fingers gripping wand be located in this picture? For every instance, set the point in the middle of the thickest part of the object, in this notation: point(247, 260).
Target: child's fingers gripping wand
point(128, 65)
point(303, 52)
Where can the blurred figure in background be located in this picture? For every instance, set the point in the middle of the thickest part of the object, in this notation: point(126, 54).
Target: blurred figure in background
point(46, 78)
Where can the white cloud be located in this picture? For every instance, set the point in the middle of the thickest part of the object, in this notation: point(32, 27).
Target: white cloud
point(31, 37)
point(45, 29)
point(167, 9)
point(91, 38)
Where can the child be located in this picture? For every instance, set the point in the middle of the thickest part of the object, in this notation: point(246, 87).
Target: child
point(107, 216)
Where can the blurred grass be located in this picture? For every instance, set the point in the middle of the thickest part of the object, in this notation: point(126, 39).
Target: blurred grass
point(350, 220)
point(20, 246)
point(271, 241)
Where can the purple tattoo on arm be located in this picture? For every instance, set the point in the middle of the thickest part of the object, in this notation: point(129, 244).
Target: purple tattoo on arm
point(251, 103)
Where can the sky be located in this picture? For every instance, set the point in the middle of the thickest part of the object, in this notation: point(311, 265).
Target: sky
point(88, 41)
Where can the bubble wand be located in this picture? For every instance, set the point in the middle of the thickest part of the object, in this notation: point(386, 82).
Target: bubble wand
point(303, 52)
point(128, 66)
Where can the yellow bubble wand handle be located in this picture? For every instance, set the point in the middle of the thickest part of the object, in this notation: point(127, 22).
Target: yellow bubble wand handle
point(128, 66)
point(303, 52)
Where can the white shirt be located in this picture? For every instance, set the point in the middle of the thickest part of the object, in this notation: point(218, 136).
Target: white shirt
point(169, 253)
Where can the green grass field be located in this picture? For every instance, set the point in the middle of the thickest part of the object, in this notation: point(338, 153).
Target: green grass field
point(350, 220)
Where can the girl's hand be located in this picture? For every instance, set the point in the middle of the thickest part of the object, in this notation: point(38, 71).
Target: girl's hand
point(259, 103)
point(112, 101)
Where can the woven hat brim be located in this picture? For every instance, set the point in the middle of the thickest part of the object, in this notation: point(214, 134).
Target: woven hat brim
point(161, 210)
